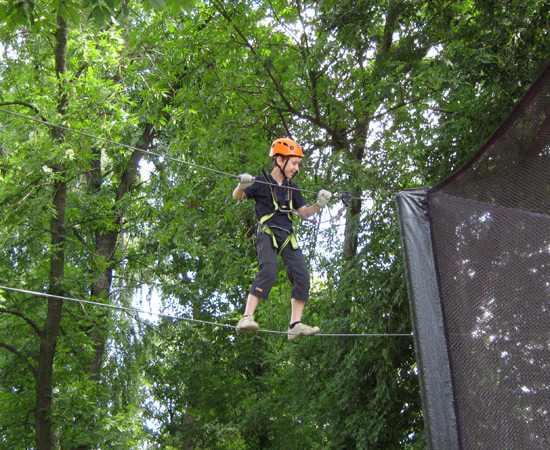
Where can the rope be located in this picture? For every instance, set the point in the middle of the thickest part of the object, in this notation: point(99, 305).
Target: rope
point(129, 147)
point(187, 319)
point(135, 310)
point(120, 144)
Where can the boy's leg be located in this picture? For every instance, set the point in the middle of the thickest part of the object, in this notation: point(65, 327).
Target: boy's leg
point(297, 308)
point(298, 329)
point(268, 267)
point(297, 272)
point(247, 322)
point(296, 268)
point(252, 303)
point(263, 281)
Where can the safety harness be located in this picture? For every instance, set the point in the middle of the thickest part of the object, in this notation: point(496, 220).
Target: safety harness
point(284, 208)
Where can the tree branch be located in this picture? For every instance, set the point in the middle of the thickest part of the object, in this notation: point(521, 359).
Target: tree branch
point(26, 105)
point(31, 322)
point(20, 356)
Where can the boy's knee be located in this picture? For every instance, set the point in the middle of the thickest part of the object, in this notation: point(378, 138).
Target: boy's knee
point(301, 276)
point(300, 286)
point(269, 272)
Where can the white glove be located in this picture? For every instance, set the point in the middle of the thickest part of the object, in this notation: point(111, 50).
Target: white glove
point(245, 180)
point(323, 197)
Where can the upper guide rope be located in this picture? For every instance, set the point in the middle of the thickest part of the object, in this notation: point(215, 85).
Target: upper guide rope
point(187, 319)
point(170, 158)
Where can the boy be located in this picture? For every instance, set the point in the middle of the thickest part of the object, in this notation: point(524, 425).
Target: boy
point(277, 199)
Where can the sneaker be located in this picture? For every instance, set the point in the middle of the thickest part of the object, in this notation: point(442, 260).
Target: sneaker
point(301, 329)
point(247, 324)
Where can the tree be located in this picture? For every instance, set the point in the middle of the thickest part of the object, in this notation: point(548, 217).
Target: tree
point(370, 86)
point(383, 95)
point(98, 248)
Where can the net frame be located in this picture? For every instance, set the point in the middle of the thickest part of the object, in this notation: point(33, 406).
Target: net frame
point(477, 258)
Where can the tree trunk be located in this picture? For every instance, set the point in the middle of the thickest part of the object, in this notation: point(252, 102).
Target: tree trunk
point(48, 341)
point(105, 243)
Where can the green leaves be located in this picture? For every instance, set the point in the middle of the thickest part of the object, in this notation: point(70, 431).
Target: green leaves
point(381, 99)
point(174, 6)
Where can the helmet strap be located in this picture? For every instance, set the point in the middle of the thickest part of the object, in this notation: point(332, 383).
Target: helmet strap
point(282, 169)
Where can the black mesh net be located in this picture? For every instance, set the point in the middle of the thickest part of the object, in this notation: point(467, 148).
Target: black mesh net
point(490, 225)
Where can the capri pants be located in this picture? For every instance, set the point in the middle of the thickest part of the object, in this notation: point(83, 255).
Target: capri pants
point(294, 261)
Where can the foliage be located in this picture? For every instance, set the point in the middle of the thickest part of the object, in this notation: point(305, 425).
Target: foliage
point(382, 95)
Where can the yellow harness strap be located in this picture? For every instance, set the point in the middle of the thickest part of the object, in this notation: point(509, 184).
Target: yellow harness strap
point(291, 237)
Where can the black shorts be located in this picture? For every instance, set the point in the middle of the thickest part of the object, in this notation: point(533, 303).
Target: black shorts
point(294, 261)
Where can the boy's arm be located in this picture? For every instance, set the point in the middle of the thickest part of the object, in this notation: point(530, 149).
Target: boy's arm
point(322, 199)
point(245, 180)
point(238, 194)
point(308, 211)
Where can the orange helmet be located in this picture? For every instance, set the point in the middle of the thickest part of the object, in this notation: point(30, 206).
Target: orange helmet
point(285, 147)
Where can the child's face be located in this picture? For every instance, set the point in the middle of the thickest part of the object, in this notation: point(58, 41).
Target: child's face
point(293, 166)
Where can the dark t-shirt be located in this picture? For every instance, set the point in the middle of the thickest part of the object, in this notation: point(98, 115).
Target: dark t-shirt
point(261, 194)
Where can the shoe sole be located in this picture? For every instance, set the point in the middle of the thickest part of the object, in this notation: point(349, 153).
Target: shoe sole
point(293, 336)
point(247, 330)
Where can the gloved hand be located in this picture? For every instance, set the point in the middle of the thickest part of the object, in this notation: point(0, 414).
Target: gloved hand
point(245, 180)
point(323, 197)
